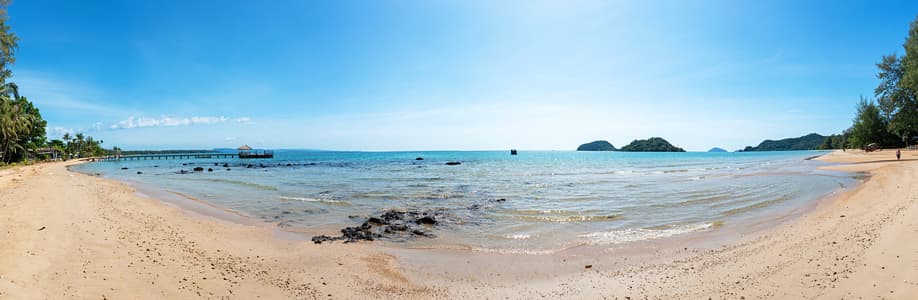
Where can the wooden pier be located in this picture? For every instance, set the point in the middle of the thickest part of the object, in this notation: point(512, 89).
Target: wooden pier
point(167, 156)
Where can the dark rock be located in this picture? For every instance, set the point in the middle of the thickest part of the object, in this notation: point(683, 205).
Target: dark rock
point(323, 238)
point(423, 233)
point(358, 233)
point(390, 224)
point(499, 200)
point(183, 172)
point(289, 165)
point(428, 220)
point(216, 164)
point(139, 172)
point(453, 163)
point(588, 267)
point(227, 169)
point(210, 170)
point(125, 168)
point(184, 164)
point(226, 165)
point(419, 158)
point(392, 215)
point(42, 228)
point(397, 227)
point(198, 169)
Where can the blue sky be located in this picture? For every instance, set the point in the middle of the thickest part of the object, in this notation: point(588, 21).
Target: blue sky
point(408, 75)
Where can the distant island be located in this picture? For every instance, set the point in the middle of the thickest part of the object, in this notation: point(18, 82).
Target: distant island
point(654, 144)
point(810, 141)
point(715, 149)
point(597, 146)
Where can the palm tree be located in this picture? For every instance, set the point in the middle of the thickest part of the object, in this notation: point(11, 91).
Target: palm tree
point(12, 125)
point(80, 141)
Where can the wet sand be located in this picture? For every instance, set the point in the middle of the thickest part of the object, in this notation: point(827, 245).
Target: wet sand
point(102, 240)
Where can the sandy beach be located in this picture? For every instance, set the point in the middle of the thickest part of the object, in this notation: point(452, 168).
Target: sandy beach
point(73, 236)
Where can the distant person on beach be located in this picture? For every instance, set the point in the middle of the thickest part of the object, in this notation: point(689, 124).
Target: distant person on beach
point(898, 154)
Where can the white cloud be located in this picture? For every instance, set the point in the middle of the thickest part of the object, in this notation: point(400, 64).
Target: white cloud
point(168, 121)
point(59, 131)
point(244, 120)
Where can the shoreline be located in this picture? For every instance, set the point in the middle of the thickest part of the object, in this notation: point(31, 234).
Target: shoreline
point(714, 234)
point(107, 229)
point(711, 232)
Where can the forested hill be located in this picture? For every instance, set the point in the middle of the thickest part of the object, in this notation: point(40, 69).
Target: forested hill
point(597, 146)
point(810, 141)
point(654, 144)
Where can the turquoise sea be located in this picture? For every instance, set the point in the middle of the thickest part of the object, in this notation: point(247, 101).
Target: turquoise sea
point(553, 199)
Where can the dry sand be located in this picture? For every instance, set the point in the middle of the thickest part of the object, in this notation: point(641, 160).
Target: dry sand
point(101, 240)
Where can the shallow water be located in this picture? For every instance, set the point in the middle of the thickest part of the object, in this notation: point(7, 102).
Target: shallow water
point(554, 200)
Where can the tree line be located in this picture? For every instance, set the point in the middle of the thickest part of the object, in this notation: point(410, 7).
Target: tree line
point(890, 119)
point(22, 129)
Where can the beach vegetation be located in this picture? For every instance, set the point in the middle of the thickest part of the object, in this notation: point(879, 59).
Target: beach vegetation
point(869, 126)
point(22, 128)
point(891, 119)
point(835, 141)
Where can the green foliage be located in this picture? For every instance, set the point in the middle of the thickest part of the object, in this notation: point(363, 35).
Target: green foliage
point(22, 129)
point(896, 106)
point(868, 125)
point(597, 146)
point(835, 141)
point(80, 145)
point(654, 144)
point(810, 141)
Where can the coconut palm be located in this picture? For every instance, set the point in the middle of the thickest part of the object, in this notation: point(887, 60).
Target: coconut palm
point(21, 125)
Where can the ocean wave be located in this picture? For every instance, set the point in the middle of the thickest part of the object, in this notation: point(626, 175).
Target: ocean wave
point(757, 205)
point(517, 251)
point(305, 199)
point(567, 219)
point(642, 234)
point(241, 183)
point(518, 236)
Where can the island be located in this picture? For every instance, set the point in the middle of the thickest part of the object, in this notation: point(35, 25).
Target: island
point(600, 145)
point(810, 141)
point(716, 149)
point(654, 144)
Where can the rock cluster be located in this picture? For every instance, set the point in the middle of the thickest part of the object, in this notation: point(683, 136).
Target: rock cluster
point(391, 224)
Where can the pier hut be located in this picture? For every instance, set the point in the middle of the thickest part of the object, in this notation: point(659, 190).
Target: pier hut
point(247, 152)
point(48, 152)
